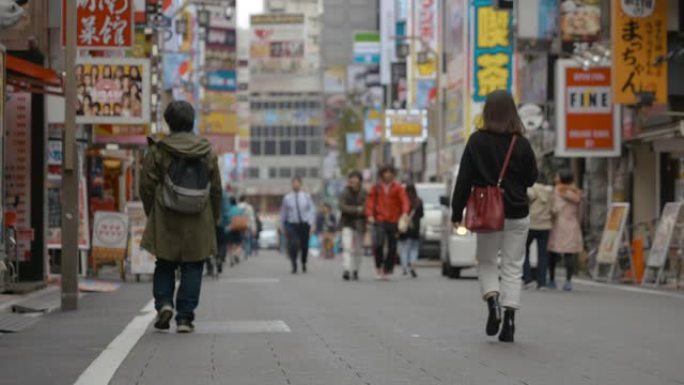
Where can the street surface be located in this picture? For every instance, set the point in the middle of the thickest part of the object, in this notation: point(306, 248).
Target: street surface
point(259, 325)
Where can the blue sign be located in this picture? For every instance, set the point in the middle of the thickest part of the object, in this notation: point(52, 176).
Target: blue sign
point(222, 81)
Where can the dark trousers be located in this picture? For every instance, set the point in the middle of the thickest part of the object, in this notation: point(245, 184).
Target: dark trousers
point(385, 232)
point(538, 274)
point(570, 265)
point(297, 242)
point(164, 286)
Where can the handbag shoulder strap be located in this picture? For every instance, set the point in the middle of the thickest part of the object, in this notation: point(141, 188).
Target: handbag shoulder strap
point(506, 161)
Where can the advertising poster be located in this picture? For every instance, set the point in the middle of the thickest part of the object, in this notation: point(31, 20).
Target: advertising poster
point(580, 24)
point(113, 91)
point(399, 87)
point(406, 125)
point(639, 44)
point(388, 44)
point(141, 261)
point(455, 42)
point(537, 21)
point(102, 24)
point(334, 79)
point(54, 235)
point(612, 233)
point(17, 155)
point(453, 117)
point(334, 108)
point(24, 23)
point(121, 134)
point(587, 121)
point(373, 126)
point(177, 67)
point(110, 236)
point(670, 220)
point(533, 76)
point(354, 142)
point(425, 27)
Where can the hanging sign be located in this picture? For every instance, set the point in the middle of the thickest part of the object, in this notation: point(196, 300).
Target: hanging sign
point(354, 142)
point(102, 24)
point(406, 125)
point(639, 50)
point(587, 121)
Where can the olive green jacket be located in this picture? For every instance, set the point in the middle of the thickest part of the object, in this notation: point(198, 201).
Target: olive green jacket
point(170, 235)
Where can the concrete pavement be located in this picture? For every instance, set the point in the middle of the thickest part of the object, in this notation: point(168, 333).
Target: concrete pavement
point(261, 325)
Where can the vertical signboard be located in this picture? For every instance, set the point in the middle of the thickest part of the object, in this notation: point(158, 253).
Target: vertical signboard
point(102, 24)
point(580, 24)
point(354, 142)
point(672, 216)
point(612, 237)
point(387, 42)
point(424, 26)
point(456, 67)
point(587, 121)
point(639, 50)
point(492, 56)
point(17, 152)
point(367, 48)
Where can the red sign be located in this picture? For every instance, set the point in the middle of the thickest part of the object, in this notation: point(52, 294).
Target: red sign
point(102, 24)
point(587, 120)
point(223, 144)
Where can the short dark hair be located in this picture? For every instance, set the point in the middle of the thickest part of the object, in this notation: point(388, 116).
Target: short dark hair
point(180, 116)
point(566, 176)
point(297, 178)
point(355, 174)
point(500, 114)
point(386, 168)
point(233, 201)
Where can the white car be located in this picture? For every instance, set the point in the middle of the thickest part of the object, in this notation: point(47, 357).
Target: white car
point(431, 224)
point(268, 236)
point(457, 246)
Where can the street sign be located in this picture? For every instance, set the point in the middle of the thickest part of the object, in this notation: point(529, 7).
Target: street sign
point(102, 24)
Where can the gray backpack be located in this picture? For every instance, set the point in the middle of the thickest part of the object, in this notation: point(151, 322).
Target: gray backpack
point(186, 185)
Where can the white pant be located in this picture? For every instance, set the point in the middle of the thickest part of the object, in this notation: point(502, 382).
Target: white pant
point(511, 242)
point(352, 245)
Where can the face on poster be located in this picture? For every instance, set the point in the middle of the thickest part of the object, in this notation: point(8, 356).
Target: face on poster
point(580, 24)
point(112, 91)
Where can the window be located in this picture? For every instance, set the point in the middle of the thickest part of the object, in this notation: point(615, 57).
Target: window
point(300, 147)
point(285, 147)
point(315, 147)
point(255, 147)
point(270, 147)
point(313, 172)
point(272, 173)
point(286, 172)
point(300, 172)
point(252, 173)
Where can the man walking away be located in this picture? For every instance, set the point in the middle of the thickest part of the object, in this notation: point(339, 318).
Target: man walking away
point(352, 203)
point(297, 216)
point(248, 241)
point(386, 203)
point(181, 192)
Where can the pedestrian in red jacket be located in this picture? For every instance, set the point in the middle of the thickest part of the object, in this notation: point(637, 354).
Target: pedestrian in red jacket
point(387, 202)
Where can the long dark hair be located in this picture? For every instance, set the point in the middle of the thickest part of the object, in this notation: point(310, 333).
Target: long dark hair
point(501, 115)
point(412, 195)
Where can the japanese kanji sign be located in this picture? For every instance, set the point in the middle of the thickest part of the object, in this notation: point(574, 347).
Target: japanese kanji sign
point(102, 24)
point(639, 49)
point(587, 120)
point(492, 50)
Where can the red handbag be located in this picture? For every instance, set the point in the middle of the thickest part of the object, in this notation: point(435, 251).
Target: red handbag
point(485, 207)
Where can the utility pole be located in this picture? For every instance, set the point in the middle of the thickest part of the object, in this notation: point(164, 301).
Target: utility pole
point(70, 169)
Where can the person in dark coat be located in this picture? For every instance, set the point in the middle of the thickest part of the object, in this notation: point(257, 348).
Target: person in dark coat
point(409, 241)
point(352, 204)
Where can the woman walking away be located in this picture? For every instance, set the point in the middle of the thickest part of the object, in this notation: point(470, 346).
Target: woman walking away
point(409, 240)
point(541, 201)
point(237, 223)
point(566, 234)
point(498, 155)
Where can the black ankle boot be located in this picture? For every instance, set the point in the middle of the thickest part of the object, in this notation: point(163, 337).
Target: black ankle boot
point(494, 319)
point(508, 329)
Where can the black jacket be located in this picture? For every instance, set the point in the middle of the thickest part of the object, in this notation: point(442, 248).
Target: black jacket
point(481, 164)
point(418, 214)
point(352, 206)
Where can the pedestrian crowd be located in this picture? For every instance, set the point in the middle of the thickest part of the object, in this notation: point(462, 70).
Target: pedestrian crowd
point(499, 195)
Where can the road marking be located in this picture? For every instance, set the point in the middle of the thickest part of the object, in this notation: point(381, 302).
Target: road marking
point(101, 371)
point(629, 289)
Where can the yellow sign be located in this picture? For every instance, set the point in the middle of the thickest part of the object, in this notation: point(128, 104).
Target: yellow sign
point(408, 125)
point(639, 51)
point(219, 122)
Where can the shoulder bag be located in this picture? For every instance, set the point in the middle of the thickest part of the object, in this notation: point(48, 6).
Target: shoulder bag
point(485, 207)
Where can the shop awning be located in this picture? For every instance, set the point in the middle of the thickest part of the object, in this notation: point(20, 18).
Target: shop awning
point(27, 76)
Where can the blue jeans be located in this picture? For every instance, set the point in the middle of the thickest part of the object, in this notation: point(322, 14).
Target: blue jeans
point(164, 286)
point(408, 251)
point(542, 237)
point(247, 245)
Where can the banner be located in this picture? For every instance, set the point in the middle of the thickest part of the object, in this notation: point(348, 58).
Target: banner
point(587, 120)
point(372, 126)
point(424, 26)
point(354, 143)
point(639, 50)
point(113, 91)
point(580, 24)
point(406, 125)
point(102, 24)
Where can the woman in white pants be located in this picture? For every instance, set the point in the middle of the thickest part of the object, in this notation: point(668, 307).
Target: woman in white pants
point(352, 204)
point(481, 165)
